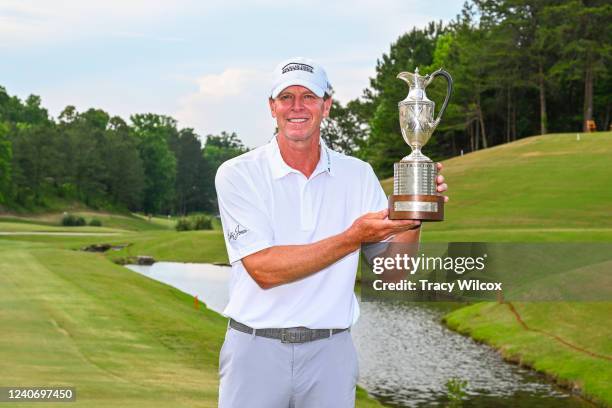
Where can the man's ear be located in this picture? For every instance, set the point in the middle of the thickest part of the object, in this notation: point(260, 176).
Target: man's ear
point(272, 107)
point(327, 103)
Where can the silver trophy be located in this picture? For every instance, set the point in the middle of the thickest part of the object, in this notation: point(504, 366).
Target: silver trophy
point(414, 180)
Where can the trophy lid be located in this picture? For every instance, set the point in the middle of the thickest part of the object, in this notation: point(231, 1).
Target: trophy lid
point(417, 84)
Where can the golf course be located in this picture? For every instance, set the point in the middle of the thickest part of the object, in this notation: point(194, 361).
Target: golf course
point(80, 319)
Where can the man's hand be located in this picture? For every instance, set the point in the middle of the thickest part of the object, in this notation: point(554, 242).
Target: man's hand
point(375, 227)
point(442, 187)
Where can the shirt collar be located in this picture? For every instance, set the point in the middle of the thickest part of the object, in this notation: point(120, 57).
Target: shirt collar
point(280, 168)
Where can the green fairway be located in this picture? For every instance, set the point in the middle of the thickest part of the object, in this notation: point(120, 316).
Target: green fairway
point(76, 319)
point(31, 227)
point(110, 222)
point(72, 318)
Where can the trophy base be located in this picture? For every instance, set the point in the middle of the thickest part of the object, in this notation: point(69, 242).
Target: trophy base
point(416, 207)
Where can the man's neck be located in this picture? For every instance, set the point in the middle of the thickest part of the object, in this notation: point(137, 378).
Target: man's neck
point(302, 156)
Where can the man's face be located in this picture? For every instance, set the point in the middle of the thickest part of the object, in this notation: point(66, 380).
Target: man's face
point(299, 112)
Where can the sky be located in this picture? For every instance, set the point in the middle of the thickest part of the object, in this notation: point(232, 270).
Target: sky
point(208, 64)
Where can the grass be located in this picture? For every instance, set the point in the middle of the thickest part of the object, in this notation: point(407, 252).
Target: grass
point(582, 326)
point(539, 185)
point(31, 227)
point(52, 222)
point(78, 319)
point(186, 246)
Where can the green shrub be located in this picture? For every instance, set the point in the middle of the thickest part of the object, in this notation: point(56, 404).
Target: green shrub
point(183, 224)
point(95, 222)
point(69, 220)
point(199, 222)
point(455, 389)
point(202, 222)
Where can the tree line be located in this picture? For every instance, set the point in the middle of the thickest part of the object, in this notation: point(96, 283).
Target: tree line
point(520, 68)
point(147, 165)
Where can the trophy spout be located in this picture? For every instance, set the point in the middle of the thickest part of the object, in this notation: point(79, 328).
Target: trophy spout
point(408, 77)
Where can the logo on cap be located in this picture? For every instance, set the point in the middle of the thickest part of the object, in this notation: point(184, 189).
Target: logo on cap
point(296, 67)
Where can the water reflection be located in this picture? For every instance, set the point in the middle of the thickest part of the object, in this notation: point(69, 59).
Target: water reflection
point(406, 356)
point(206, 281)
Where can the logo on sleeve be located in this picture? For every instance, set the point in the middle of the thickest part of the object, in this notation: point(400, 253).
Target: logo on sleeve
point(236, 233)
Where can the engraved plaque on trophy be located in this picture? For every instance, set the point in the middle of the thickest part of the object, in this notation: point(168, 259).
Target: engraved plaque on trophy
point(415, 195)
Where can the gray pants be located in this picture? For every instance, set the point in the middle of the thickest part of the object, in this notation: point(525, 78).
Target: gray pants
point(258, 372)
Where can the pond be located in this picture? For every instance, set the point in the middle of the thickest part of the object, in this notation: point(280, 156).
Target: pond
point(406, 355)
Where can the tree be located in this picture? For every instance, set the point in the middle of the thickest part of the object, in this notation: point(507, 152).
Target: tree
point(34, 156)
point(125, 178)
point(159, 162)
point(33, 112)
point(217, 149)
point(6, 154)
point(83, 166)
point(343, 130)
point(220, 148)
point(190, 168)
point(584, 45)
point(385, 144)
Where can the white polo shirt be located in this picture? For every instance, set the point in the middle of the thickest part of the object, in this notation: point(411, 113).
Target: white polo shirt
point(263, 203)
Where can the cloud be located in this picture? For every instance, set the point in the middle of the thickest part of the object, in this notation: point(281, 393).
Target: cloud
point(33, 22)
point(231, 82)
point(234, 100)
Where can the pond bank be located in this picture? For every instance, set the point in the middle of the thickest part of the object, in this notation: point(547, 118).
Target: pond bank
point(543, 337)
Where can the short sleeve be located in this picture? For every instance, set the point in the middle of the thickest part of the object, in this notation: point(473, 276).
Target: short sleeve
point(374, 198)
point(246, 224)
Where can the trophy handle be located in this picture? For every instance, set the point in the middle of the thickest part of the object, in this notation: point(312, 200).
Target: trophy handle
point(449, 89)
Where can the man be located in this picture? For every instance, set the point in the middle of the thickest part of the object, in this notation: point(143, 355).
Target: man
point(294, 214)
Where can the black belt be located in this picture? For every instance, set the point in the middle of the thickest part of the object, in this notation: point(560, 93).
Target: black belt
point(288, 335)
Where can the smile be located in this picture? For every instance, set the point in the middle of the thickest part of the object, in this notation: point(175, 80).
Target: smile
point(301, 120)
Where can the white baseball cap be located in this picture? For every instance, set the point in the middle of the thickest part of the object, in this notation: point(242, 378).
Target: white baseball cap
point(300, 71)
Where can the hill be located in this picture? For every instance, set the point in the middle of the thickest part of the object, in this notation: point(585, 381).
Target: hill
point(541, 188)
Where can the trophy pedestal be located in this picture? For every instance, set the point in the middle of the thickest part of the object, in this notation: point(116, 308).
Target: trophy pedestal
point(416, 207)
point(415, 195)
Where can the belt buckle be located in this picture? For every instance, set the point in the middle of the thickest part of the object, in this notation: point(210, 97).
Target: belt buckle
point(290, 335)
point(287, 335)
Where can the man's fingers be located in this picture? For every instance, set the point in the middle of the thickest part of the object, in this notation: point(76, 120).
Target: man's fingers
point(402, 225)
point(378, 215)
point(442, 187)
point(439, 166)
point(383, 214)
point(440, 179)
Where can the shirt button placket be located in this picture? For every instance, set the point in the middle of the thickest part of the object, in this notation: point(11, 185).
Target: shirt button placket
point(306, 207)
